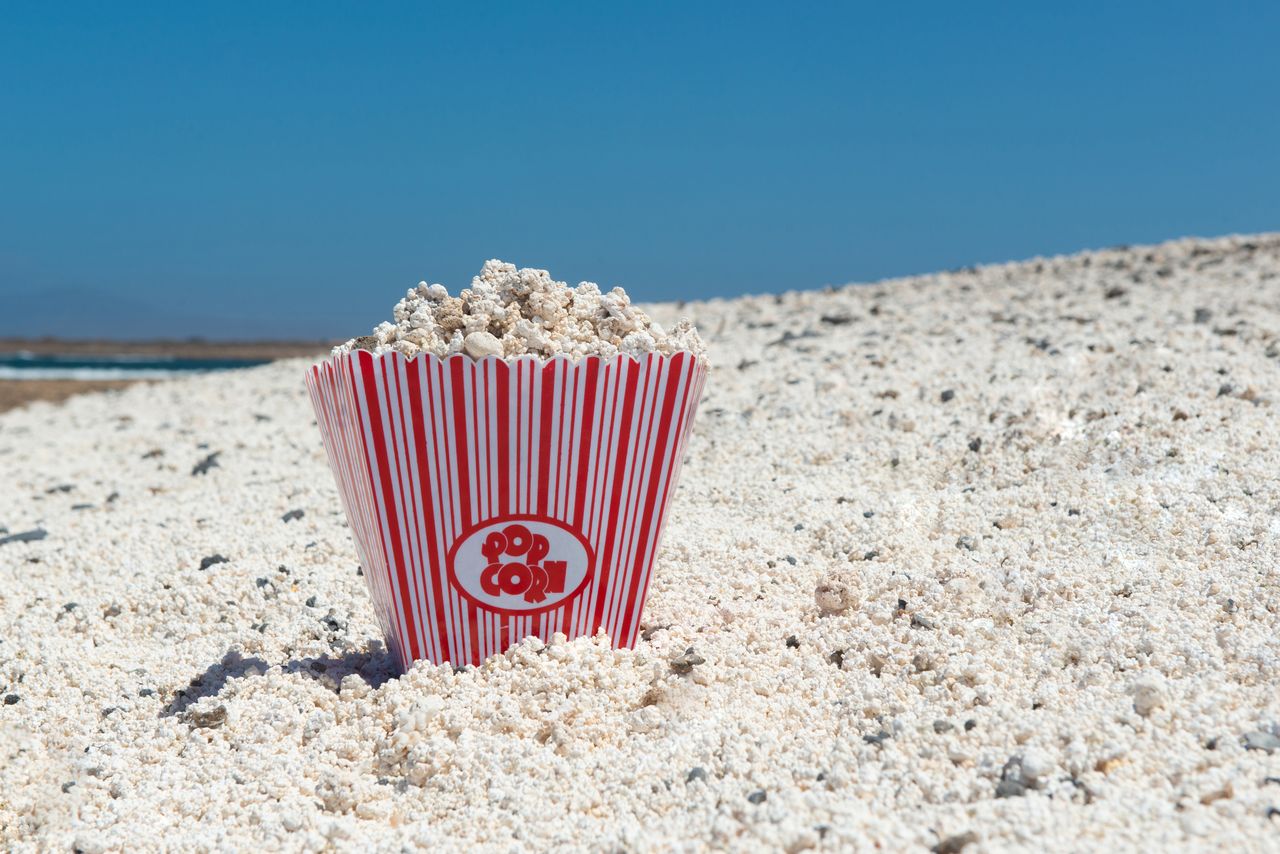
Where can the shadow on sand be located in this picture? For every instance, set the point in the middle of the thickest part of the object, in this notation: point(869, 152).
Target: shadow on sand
point(374, 664)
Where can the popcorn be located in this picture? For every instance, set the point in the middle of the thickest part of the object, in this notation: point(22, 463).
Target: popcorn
point(511, 312)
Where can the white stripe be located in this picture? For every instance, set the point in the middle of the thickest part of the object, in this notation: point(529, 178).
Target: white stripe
point(522, 504)
point(535, 437)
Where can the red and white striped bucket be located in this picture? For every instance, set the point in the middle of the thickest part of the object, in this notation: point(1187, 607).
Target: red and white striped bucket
point(494, 500)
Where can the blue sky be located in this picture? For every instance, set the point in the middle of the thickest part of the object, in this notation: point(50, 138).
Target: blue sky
point(239, 170)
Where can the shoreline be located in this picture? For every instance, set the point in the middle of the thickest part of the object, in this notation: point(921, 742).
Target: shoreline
point(15, 393)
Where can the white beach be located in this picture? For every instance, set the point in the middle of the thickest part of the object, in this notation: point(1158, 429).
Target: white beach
point(1037, 501)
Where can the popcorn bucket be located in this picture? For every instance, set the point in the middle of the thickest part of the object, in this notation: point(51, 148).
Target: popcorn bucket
point(493, 500)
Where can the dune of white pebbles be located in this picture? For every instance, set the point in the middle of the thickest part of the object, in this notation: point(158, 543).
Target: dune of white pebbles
point(981, 560)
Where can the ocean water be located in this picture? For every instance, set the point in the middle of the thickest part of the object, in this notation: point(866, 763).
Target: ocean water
point(53, 366)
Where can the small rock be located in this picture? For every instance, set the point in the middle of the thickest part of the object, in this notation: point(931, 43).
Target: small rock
point(696, 774)
point(837, 593)
point(209, 462)
point(975, 445)
point(213, 560)
point(66, 787)
point(788, 336)
point(941, 726)
point(1261, 741)
point(878, 738)
point(1203, 315)
point(970, 724)
point(1010, 789)
point(685, 663)
point(31, 536)
point(10, 699)
point(209, 719)
point(1148, 695)
point(311, 601)
point(1036, 766)
point(955, 844)
point(477, 345)
point(966, 543)
point(793, 642)
point(919, 621)
point(292, 515)
point(948, 395)
point(112, 610)
point(759, 796)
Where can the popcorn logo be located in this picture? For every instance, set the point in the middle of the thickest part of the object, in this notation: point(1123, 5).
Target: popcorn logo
point(520, 564)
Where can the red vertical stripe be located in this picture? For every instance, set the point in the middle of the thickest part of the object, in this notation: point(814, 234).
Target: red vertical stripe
point(457, 391)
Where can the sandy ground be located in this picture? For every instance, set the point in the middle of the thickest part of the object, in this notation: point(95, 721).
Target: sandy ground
point(984, 560)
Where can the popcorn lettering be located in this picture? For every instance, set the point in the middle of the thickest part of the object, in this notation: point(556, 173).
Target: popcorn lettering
point(532, 576)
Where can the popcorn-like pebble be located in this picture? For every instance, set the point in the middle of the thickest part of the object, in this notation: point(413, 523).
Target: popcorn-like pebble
point(513, 312)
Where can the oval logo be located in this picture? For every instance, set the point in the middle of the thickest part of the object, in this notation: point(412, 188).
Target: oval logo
point(520, 565)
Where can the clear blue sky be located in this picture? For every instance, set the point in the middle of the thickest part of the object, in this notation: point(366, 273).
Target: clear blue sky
point(271, 168)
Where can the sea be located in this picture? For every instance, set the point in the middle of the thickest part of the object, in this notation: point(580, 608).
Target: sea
point(23, 365)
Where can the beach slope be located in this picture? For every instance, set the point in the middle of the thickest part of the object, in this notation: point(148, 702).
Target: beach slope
point(984, 556)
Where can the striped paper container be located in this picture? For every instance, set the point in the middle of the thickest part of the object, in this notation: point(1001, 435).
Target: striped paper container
point(493, 500)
